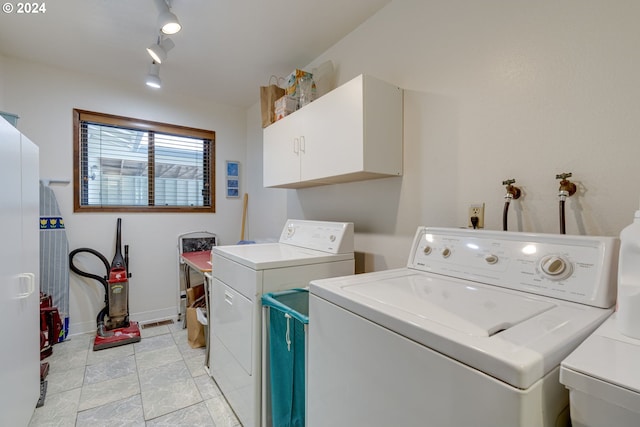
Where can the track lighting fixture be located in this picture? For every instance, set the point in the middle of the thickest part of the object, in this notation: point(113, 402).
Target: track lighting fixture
point(159, 50)
point(167, 21)
point(167, 24)
point(153, 78)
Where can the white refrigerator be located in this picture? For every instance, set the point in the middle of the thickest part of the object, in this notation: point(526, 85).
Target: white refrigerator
point(19, 281)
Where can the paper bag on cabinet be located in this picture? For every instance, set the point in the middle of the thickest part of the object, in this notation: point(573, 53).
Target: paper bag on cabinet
point(268, 96)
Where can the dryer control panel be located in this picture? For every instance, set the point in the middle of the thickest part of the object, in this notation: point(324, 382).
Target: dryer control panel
point(581, 269)
point(325, 236)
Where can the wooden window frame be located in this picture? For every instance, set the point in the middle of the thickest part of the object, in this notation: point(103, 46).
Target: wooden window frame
point(80, 116)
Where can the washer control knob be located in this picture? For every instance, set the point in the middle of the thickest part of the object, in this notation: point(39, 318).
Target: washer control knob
point(332, 238)
point(491, 259)
point(427, 250)
point(446, 253)
point(556, 267)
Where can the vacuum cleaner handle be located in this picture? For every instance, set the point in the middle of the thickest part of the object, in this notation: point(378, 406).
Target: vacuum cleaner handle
point(126, 259)
point(118, 262)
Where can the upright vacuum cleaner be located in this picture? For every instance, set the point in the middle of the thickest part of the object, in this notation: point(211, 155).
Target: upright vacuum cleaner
point(114, 327)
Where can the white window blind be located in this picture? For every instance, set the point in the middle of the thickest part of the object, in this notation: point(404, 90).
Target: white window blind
point(127, 167)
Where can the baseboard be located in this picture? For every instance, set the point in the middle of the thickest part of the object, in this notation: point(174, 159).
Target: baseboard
point(142, 318)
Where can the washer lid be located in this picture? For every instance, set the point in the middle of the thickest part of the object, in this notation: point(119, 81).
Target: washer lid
point(263, 256)
point(513, 336)
point(460, 306)
point(605, 365)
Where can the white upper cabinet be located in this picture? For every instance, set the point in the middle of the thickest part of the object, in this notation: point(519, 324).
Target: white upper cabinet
point(350, 134)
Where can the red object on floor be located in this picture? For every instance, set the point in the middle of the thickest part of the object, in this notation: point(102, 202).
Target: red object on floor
point(121, 336)
point(50, 326)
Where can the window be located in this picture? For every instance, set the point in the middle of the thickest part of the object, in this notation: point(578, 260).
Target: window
point(123, 164)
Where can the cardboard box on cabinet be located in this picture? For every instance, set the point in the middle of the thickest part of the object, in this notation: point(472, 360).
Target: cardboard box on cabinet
point(285, 106)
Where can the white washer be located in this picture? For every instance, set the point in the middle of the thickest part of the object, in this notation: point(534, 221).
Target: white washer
point(471, 333)
point(603, 379)
point(306, 250)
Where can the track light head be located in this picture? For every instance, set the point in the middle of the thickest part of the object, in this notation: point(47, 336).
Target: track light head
point(153, 78)
point(167, 21)
point(159, 50)
point(157, 53)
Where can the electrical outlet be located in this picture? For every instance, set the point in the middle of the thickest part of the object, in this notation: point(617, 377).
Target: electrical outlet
point(476, 209)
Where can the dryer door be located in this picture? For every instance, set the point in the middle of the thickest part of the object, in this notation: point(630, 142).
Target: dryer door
point(232, 317)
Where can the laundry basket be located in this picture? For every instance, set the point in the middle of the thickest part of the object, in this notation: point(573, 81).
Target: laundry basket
point(287, 316)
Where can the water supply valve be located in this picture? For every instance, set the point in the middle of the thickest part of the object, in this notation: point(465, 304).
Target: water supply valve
point(513, 192)
point(567, 188)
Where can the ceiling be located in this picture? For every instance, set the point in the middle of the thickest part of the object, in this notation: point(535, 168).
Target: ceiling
point(225, 51)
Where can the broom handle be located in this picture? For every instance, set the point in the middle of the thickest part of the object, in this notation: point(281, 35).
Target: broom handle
point(244, 214)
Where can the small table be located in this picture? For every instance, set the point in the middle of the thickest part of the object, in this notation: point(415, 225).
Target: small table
point(199, 261)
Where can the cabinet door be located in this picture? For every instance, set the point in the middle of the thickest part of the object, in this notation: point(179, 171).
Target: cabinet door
point(281, 151)
point(30, 310)
point(333, 141)
point(19, 313)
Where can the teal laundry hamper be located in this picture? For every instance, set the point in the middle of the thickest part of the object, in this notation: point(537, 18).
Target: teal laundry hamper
point(287, 313)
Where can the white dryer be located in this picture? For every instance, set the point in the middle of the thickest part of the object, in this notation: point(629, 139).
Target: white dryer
point(471, 333)
point(603, 378)
point(306, 250)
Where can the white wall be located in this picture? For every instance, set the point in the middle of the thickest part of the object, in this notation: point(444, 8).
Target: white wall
point(267, 207)
point(44, 99)
point(496, 89)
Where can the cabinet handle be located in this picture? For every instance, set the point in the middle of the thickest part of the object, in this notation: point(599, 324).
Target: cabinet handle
point(296, 145)
point(228, 298)
point(303, 145)
point(31, 284)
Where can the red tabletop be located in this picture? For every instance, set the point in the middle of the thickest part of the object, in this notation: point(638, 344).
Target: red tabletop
point(200, 260)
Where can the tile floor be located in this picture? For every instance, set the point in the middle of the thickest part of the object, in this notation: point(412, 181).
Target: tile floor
point(159, 381)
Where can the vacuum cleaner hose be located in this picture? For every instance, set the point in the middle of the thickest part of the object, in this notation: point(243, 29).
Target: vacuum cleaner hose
point(102, 331)
point(76, 270)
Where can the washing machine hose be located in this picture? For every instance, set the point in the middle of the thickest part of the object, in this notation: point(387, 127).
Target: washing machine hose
point(505, 212)
point(512, 193)
point(567, 189)
point(562, 218)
